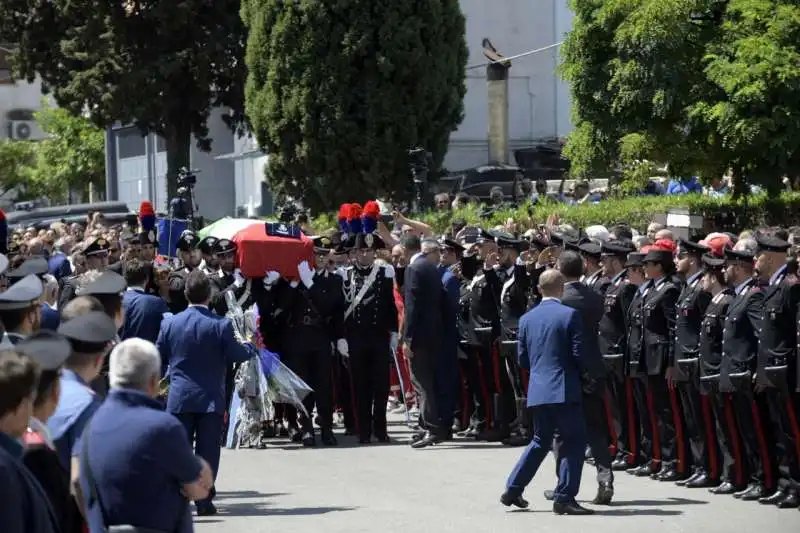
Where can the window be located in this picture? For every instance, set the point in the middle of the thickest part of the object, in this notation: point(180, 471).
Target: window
point(5, 64)
point(130, 143)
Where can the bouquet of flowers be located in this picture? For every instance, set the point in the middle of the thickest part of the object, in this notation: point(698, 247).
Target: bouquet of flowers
point(283, 385)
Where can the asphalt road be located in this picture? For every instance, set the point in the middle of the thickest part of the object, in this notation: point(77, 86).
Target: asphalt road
point(450, 487)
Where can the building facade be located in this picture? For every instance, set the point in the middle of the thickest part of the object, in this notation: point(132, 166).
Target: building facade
point(19, 100)
point(231, 177)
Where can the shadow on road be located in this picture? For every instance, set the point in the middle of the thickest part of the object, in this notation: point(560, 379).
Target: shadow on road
point(660, 503)
point(226, 494)
point(637, 512)
point(260, 509)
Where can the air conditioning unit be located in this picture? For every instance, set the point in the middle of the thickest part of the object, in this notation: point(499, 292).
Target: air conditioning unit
point(25, 130)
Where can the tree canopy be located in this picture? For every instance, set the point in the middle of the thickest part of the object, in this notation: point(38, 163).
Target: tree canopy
point(70, 159)
point(159, 64)
point(338, 92)
point(711, 85)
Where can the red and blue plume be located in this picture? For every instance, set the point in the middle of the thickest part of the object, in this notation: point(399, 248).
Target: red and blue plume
point(354, 219)
point(147, 217)
point(344, 213)
point(3, 233)
point(370, 216)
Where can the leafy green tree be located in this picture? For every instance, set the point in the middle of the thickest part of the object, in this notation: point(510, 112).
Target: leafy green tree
point(16, 160)
point(72, 156)
point(338, 91)
point(159, 64)
point(711, 84)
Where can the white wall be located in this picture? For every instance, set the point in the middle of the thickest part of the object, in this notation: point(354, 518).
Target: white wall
point(19, 96)
point(538, 100)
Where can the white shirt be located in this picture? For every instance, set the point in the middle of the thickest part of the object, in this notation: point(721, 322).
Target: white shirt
point(546, 298)
point(415, 257)
point(778, 273)
point(136, 288)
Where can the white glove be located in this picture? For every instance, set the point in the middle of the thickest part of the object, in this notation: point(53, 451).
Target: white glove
point(294, 284)
point(306, 274)
point(341, 272)
point(270, 277)
point(238, 279)
point(394, 340)
point(342, 348)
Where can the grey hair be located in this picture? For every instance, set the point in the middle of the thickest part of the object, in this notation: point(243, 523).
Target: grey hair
point(133, 363)
point(746, 245)
point(50, 285)
point(429, 245)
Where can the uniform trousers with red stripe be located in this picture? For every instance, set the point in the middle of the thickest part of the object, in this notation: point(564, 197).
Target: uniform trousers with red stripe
point(663, 441)
point(480, 387)
point(732, 467)
point(750, 411)
point(699, 427)
point(624, 423)
point(782, 409)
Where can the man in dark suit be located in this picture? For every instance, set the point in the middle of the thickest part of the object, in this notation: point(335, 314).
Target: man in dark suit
point(197, 346)
point(143, 312)
point(589, 304)
point(549, 343)
point(422, 332)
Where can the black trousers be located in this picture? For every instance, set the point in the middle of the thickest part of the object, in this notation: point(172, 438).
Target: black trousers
point(661, 422)
point(447, 381)
point(501, 394)
point(478, 388)
point(695, 419)
point(624, 428)
point(313, 365)
point(424, 367)
point(369, 369)
point(597, 437)
point(783, 421)
point(732, 466)
point(749, 411)
point(345, 395)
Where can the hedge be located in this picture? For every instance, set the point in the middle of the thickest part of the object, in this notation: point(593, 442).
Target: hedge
point(724, 214)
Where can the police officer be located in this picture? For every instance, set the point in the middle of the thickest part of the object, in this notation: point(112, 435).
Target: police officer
point(648, 451)
point(50, 350)
point(37, 266)
point(96, 254)
point(371, 323)
point(209, 261)
point(89, 335)
point(19, 311)
point(197, 346)
point(730, 472)
point(189, 254)
point(777, 364)
point(738, 366)
point(659, 313)
point(592, 263)
point(613, 337)
point(691, 309)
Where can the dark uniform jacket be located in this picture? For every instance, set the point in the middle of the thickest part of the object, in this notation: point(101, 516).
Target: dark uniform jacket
point(658, 332)
point(597, 282)
point(777, 354)
point(318, 311)
point(376, 313)
point(740, 336)
point(711, 333)
point(613, 328)
point(24, 506)
point(692, 304)
point(635, 343)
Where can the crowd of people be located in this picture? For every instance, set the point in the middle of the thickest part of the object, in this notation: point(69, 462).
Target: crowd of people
point(118, 368)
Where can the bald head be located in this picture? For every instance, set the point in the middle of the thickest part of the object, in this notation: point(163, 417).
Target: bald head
point(551, 283)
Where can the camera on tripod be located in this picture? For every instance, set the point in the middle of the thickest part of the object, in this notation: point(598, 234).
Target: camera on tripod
point(419, 161)
point(182, 206)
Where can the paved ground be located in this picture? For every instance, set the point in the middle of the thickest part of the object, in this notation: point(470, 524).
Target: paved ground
point(451, 487)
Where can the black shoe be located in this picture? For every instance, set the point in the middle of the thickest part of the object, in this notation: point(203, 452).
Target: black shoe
point(495, 435)
point(751, 494)
point(364, 440)
point(726, 487)
point(791, 501)
point(283, 431)
point(349, 432)
point(773, 499)
point(328, 438)
point(470, 432)
point(295, 435)
point(508, 501)
point(206, 509)
point(418, 436)
point(572, 508)
point(548, 495)
point(683, 482)
point(383, 438)
point(700, 482)
point(643, 471)
point(670, 476)
point(308, 439)
point(428, 440)
point(517, 440)
point(605, 493)
point(621, 464)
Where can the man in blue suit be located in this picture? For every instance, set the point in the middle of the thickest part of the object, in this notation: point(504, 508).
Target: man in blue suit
point(197, 346)
point(143, 312)
point(447, 375)
point(549, 340)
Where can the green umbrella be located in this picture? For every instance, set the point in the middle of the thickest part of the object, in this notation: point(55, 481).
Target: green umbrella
point(226, 228)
